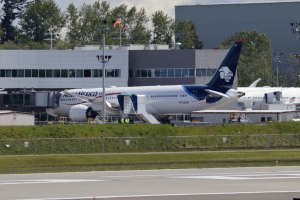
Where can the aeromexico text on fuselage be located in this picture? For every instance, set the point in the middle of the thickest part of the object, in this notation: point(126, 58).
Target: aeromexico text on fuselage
point(197, 92)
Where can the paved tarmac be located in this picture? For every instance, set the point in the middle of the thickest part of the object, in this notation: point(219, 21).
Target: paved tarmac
point(269, 183)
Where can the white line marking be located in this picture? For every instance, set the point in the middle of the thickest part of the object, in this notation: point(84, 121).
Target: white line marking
point(165, 195)
point(38, 181)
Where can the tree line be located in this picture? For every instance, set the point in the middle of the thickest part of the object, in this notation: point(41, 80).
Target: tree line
point(29, 23)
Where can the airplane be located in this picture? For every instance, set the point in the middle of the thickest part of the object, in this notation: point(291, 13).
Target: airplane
point(153, 103)
point(255, 97)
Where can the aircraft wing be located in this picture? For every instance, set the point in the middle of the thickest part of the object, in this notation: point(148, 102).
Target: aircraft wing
point(216, 94)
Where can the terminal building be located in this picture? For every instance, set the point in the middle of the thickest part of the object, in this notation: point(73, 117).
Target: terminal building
point(32, 79)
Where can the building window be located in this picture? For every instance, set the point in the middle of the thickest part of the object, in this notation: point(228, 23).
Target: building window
point(95, 72)
point(8, 73)
point(49, 73)
point(2, 73)
point(171, 73)
point(144, 73)
point(64, 73)
point(177, 72)
point(149, 71)
point(14, 73)
point(157, 72)
point(163, 73)
point(87, 73)
point(137, 73)
point(191, 72)
point(56, 73)
point(27, 73)
point(35, 73)
point(131, 73)
point(117, 72)
point(79, 72)
point(42, 73)
point(21, 73)
point(185, 73)
point(71, 73)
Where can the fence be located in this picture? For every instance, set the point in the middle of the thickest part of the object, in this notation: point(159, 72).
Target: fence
point(144, 144)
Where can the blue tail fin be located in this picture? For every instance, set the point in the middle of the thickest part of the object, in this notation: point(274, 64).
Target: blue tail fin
point(225, 74)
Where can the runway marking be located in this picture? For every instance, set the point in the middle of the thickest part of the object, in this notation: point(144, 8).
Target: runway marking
point(48, 181)
point(261, 176)
point(166, 195)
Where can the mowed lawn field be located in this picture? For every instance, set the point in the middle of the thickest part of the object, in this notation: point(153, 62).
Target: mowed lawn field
point(56, 148)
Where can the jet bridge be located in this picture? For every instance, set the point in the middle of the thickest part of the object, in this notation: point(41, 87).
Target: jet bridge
point(136, 105)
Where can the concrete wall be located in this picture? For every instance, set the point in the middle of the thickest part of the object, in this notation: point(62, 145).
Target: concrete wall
point(16, 119)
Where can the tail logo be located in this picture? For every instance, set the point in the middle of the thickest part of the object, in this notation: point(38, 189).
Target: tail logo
point(225, 74)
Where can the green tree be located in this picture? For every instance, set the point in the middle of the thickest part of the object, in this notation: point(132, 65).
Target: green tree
point(91, 18)
point(293, 73)
point(73, 25)
point(186, 34)
point(163, 28)
point(40, 18)
point(133, 25)
point(11, 10)
point(255, 59)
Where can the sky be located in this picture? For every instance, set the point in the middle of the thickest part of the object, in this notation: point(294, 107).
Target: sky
point(167, 6)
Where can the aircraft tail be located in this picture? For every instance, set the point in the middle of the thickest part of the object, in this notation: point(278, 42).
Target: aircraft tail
point(224, 76)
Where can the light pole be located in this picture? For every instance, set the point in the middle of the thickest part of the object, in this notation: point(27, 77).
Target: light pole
point(51, 37)
point(103, 59)
point(278, 58)
point(295, 29)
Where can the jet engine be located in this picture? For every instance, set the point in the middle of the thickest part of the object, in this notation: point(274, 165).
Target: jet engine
point(80, 113)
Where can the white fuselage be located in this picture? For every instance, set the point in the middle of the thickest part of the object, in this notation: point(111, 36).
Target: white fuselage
point(160, 100)
point(256, 95)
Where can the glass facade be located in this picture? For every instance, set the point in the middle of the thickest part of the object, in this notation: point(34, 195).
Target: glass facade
point(58, 73)
point(171, 73)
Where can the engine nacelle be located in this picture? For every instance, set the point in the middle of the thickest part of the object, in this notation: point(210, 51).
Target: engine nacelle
point(80, 113)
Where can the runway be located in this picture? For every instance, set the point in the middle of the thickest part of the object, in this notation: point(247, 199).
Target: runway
point(269, 183)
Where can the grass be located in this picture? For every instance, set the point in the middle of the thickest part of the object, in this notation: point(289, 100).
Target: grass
point(60, 148)
point(134, 161)
point(124, 130)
